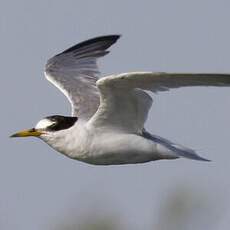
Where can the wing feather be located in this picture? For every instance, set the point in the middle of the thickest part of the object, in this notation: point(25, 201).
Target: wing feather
point(75, 72)
point(124, 105)
point(156, 82)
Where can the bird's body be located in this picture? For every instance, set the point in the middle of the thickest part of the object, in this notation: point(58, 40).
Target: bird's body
point(104, 147)
point(108, 115)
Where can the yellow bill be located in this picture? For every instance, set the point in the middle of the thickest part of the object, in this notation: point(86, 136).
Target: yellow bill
point(27, 133)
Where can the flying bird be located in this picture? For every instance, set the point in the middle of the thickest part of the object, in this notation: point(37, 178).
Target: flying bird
point(108, 114)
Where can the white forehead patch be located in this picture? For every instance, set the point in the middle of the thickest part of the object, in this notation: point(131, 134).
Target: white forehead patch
point(44, 123)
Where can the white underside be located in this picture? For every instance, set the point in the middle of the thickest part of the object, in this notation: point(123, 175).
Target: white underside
point(104, 147)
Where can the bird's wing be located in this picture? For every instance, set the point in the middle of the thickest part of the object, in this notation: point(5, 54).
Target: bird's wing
point(124, 105)
point(75, 73)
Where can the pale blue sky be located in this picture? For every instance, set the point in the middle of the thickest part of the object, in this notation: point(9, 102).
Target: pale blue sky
point(40, 187)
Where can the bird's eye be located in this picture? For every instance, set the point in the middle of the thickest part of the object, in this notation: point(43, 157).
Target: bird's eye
point(53, 125)
point(61, 122)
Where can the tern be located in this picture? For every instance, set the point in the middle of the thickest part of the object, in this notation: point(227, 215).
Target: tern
point(108, 114)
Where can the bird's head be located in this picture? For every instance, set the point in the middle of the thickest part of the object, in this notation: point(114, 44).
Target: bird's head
point(48, 125)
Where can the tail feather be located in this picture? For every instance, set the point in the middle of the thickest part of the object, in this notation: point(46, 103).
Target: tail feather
point(178, 150)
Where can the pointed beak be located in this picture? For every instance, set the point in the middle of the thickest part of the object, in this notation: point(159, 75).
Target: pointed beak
point(28, 133)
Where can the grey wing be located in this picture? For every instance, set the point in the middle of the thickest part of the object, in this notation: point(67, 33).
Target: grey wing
point(75, 73)
point(161, 81)
point(124, 105)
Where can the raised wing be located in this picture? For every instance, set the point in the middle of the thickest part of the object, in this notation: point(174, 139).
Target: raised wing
point(75, 73)
point(124, 105)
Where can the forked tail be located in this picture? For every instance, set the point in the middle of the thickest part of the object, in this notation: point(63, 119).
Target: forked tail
point(177, 150)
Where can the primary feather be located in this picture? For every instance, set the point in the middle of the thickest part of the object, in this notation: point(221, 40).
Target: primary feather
point(75, 72)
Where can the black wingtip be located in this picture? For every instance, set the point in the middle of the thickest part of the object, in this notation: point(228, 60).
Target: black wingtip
point(204, 159)
point(101, 43)
point(199, 158)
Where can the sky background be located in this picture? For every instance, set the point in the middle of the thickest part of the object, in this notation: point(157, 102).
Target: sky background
point(42, 189)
